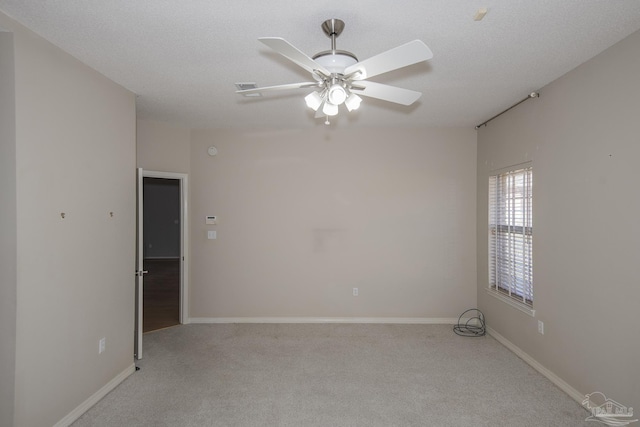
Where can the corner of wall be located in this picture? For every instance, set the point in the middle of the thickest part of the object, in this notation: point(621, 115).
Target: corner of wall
point(8, 236)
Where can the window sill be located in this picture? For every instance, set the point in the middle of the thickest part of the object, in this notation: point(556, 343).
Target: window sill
point(513, 303)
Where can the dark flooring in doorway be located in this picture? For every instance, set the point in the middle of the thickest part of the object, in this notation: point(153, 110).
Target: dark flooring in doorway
point(161, 294)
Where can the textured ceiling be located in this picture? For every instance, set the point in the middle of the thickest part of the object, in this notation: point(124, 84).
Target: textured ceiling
point(182, 58)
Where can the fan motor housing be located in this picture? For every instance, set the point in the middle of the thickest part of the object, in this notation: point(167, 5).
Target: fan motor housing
point(335, 60)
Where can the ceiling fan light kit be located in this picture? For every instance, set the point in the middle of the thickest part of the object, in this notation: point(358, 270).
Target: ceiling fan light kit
point(353, 102)
point(337, 94)
point(340, 77)
point(313, 100)
point(329, 109)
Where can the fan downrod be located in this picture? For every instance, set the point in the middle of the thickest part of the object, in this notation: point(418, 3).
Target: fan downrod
point(333, 28)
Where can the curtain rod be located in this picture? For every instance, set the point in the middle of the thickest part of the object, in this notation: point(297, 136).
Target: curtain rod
point(531, 95)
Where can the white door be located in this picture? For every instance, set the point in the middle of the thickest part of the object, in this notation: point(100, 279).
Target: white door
point(140, 272)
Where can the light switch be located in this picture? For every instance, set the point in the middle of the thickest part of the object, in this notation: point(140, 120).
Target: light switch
point(212, 234)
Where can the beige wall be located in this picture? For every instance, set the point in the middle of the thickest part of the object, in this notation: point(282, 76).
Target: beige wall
point(305, 216)
point(75, 153)
point(162, 146)
point(8, 249)
point(582, 137)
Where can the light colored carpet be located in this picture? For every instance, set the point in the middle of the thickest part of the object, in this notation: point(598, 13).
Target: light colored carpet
point(331, 375)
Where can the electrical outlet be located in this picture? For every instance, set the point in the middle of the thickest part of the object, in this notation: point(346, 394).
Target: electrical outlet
point(102, 345)
point(355, 292)
point(540, 327)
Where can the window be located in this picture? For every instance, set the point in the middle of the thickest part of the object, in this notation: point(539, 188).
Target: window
point(511, 236)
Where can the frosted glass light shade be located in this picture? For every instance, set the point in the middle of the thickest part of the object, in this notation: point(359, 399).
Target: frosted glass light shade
point(353, 102)
point(313, 100)
point(329, 109)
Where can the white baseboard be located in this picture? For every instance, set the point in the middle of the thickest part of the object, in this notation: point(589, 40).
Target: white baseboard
point(84, 406)
point(563, 385)
point(390, 320)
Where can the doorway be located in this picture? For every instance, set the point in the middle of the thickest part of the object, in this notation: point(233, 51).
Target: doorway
point(162, 259)
point(161, 242)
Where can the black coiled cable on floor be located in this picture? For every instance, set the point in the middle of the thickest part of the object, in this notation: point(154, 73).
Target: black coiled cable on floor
point(473, 327)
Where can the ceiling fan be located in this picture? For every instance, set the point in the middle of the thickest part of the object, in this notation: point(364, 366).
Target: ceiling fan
point(339, 77)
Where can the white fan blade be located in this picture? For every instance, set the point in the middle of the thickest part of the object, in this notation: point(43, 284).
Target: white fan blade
point(398, 57)
point(386, 92)
point(279, 87)
point(293, 54)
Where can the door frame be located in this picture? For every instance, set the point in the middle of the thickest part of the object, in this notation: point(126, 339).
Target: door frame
point(184, 236)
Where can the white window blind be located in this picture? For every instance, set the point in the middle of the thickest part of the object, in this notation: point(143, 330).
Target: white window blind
point(511, 234)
